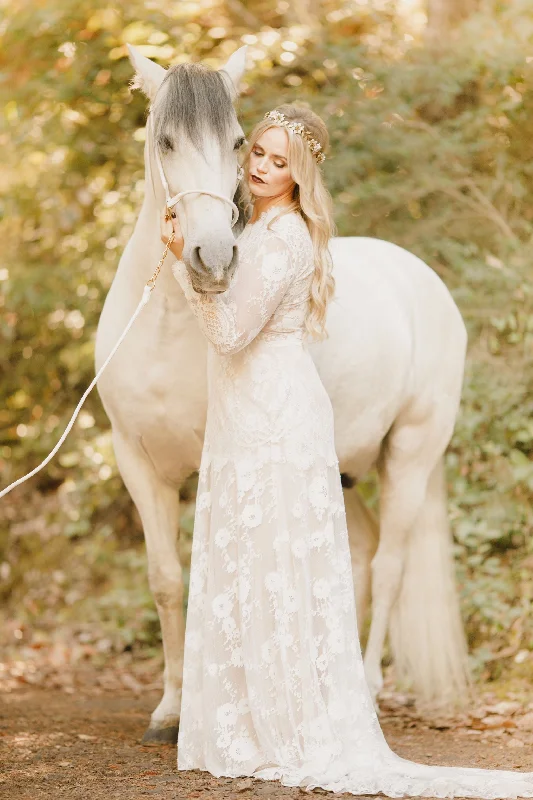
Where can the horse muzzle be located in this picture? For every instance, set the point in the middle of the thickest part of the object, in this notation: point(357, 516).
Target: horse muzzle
point(211, 268)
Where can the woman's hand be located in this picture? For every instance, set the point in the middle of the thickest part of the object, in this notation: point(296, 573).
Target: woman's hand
point(167, 226)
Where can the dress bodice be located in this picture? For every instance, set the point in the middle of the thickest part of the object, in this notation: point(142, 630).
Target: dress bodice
point(288, 319)
point(269, 293)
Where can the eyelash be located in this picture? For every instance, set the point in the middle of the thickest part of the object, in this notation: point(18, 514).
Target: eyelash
point(279, 166)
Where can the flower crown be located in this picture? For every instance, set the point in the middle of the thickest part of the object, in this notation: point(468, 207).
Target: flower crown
point(297, 127)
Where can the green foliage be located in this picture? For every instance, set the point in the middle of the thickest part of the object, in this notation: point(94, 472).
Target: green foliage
point(429, 148)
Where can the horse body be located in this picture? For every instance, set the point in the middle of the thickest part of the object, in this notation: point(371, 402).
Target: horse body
point(392, 366)
point(362, 363)
point(391, 325)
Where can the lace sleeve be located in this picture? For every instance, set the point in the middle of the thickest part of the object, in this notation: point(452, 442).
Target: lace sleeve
point(232, 319)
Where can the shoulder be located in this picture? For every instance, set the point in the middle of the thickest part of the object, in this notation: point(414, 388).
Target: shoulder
point(292, 234)
point(293, 222)
point(293, 231)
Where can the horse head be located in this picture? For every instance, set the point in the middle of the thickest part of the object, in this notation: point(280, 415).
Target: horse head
point(193, 140)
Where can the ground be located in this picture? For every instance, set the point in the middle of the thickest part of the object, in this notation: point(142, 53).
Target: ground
point(77, 735)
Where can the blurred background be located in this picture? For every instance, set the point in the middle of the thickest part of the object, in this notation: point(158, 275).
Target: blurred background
point(430, 108)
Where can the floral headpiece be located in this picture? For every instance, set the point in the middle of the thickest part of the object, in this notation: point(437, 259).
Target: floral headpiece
point(297, 127)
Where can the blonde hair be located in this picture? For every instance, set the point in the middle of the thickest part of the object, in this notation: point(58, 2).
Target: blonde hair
point(311, 199)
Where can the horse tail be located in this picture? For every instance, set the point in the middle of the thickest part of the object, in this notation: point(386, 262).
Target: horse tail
point(426, 632)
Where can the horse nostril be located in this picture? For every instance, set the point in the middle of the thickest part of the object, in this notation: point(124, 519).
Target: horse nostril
point(196, 262)
point(218, 272)
point(234, 260)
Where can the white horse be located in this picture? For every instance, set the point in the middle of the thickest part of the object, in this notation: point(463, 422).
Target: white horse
point(392, 365)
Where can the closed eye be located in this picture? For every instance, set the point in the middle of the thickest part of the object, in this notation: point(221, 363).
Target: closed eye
point(165, 143)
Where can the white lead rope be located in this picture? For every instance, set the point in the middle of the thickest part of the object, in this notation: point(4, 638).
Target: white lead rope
point(147, 292)
point(148, 289)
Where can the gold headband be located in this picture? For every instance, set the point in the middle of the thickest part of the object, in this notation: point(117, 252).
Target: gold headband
point(297, 127)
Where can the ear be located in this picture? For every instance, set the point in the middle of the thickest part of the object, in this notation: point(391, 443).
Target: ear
point(148, 75)
point(234, 69)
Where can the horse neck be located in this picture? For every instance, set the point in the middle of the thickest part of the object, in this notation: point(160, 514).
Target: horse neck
point(145, 249)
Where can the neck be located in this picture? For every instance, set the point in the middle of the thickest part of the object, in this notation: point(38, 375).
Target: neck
point(262, 204)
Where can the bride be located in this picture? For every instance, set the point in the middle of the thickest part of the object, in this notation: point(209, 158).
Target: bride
point(273, 682)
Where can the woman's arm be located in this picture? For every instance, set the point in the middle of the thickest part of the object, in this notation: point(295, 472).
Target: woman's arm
point(232, 319)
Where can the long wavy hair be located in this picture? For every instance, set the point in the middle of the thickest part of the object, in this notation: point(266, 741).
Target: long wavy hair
point(311, 198)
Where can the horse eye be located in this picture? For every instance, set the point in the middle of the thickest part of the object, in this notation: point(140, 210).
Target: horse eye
point(165, 143)
point(239, 143)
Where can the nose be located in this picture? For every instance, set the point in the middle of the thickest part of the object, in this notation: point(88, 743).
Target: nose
point(214, 271)
point(262, 165)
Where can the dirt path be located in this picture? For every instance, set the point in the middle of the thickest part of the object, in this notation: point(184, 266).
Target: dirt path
point(78, 745)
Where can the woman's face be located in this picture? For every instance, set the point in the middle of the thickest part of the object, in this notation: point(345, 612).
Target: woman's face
point(268, 173)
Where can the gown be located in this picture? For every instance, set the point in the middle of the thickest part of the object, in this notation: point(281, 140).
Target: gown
point(273, 679)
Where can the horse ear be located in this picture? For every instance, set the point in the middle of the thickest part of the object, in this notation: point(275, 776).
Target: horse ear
point(148, 75)
point(234, 69)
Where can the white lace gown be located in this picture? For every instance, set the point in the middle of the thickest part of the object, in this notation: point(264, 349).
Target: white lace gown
point(273, 681)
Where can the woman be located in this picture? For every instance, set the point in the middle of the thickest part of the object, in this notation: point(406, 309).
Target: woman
point(273, 681)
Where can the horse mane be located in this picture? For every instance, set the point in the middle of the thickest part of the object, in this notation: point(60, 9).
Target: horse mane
point(238, 199)
point(191, 99)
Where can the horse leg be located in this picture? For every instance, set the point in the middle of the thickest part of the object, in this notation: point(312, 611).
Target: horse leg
point(158, 506)
point(413, 447)
point(426, 633)
point(363, 535)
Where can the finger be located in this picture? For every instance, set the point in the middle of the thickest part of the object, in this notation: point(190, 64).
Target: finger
point(165, 215)
point(165, 227)
point(176, 225)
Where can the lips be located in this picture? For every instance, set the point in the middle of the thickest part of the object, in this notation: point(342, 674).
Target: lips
point(257, 179)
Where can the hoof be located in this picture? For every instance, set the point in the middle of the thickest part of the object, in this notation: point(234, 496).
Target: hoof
point(157, 736)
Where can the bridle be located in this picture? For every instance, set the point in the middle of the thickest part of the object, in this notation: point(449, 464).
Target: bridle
point(173, 200)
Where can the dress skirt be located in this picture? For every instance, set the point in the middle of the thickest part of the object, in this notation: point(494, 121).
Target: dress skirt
point(273, 684)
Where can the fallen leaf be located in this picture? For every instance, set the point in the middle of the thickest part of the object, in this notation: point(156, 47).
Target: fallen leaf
point(440, 725)
point(515, 743)
point(130, 683)
point(526, 722)
point(243, 786)
point(493, 721)
point(504, 708)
